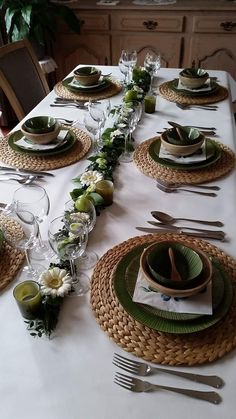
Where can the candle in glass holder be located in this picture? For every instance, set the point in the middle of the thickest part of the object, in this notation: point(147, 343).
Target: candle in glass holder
point(105, 188)
point(28, 297)
point(150, 103)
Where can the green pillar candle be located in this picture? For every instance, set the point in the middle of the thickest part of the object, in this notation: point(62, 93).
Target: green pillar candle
point(150, 103)
point(28, 297)
point(105, 188)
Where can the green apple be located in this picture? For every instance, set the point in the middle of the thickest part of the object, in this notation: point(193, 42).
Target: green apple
point(82, 204)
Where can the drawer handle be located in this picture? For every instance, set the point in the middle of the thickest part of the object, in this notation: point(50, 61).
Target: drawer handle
point(228, 26)
point(151, 25)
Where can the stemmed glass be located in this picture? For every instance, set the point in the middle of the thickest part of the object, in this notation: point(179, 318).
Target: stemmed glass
point(92, 127)
point(88, 217)
point(129, 60)
point(152, 63)
point(97, 112)
point(69, 243)
point(35, 199)
point(125, 124)
point(21, 230)
point(123, 69)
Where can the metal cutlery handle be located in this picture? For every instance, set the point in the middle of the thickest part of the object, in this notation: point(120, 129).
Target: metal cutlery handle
point(209, 396)
point(67, 105)
point(198, 192)
point(211, 188)
point(206, 108)
point(210, 380)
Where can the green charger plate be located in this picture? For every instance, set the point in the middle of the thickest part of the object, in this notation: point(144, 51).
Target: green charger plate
point(15, 136)
point(213, 154)
point(104, 85)
point(131, 278)
point(156, 322)
point(173, 85)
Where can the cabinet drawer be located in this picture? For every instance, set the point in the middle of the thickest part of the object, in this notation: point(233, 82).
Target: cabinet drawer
point(214, 24)
point(147, 22)
point(94, 22)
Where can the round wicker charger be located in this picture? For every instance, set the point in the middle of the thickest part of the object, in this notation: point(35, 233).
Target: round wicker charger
point(149, 344)
point(149, 167)
point(169, 94)
point(28, 161)
point(64, 93)
point(11, 259)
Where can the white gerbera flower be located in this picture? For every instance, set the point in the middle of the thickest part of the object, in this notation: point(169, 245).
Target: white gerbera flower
point(90, 177)
point(55, 282)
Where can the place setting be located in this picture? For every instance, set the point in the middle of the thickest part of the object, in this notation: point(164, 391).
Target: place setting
point(183, 154)
point(194, 86)
point(87, 83)
point(42, 143)
point(139, 295)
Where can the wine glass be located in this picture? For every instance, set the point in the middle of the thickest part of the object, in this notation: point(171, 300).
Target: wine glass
point(124, 123)
point(20, 231)
point(69, 242)
point(88, 217)
point(152, 63)
point(97, 113)
point(35, 199)
point(123, 69)
point(92, 127)
point(129, 60)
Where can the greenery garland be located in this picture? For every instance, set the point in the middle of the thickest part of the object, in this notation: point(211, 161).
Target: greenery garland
point(101, 166)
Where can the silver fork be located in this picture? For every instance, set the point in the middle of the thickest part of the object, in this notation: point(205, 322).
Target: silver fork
point(136, 385)
point(143, 369)
point(26, 180)
point(205, 107)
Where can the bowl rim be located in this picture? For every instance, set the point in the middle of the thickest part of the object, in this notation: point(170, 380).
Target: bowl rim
point(197, 76)
point(171, 291)
point(37, 117)
point(190, 278)
point(95, 73)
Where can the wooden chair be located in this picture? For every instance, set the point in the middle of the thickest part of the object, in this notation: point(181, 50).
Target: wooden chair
point(21, 77)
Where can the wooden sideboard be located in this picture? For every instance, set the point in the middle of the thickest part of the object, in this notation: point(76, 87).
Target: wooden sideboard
point(203, 31)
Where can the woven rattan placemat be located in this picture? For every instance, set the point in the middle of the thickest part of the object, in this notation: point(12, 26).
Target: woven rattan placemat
point(64, 93)
point(149, 167)
point(169, 94)
point(154, 346)
point(28, 161)
point(11, 259)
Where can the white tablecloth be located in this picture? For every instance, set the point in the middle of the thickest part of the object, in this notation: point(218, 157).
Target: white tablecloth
point(71, 375)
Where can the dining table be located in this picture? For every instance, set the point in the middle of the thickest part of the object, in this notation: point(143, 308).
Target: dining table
point(71, 375)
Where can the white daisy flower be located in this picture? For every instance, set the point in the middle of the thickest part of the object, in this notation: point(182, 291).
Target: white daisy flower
point(90, 177)
point(55, 282)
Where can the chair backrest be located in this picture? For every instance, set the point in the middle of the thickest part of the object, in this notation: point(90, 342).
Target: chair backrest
point(21, 77)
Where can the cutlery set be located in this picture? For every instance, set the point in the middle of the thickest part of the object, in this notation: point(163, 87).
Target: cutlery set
point(22, 176)
point(72, 103)
point(165, 225)
point(142, 369)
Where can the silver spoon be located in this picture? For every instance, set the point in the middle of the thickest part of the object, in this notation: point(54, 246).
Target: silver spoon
point(190, 185)
point(171, 189)
point(168, 219)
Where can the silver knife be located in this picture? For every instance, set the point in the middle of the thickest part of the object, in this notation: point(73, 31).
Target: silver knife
point(32, 172)
point(176, 228)
point(210, 235)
